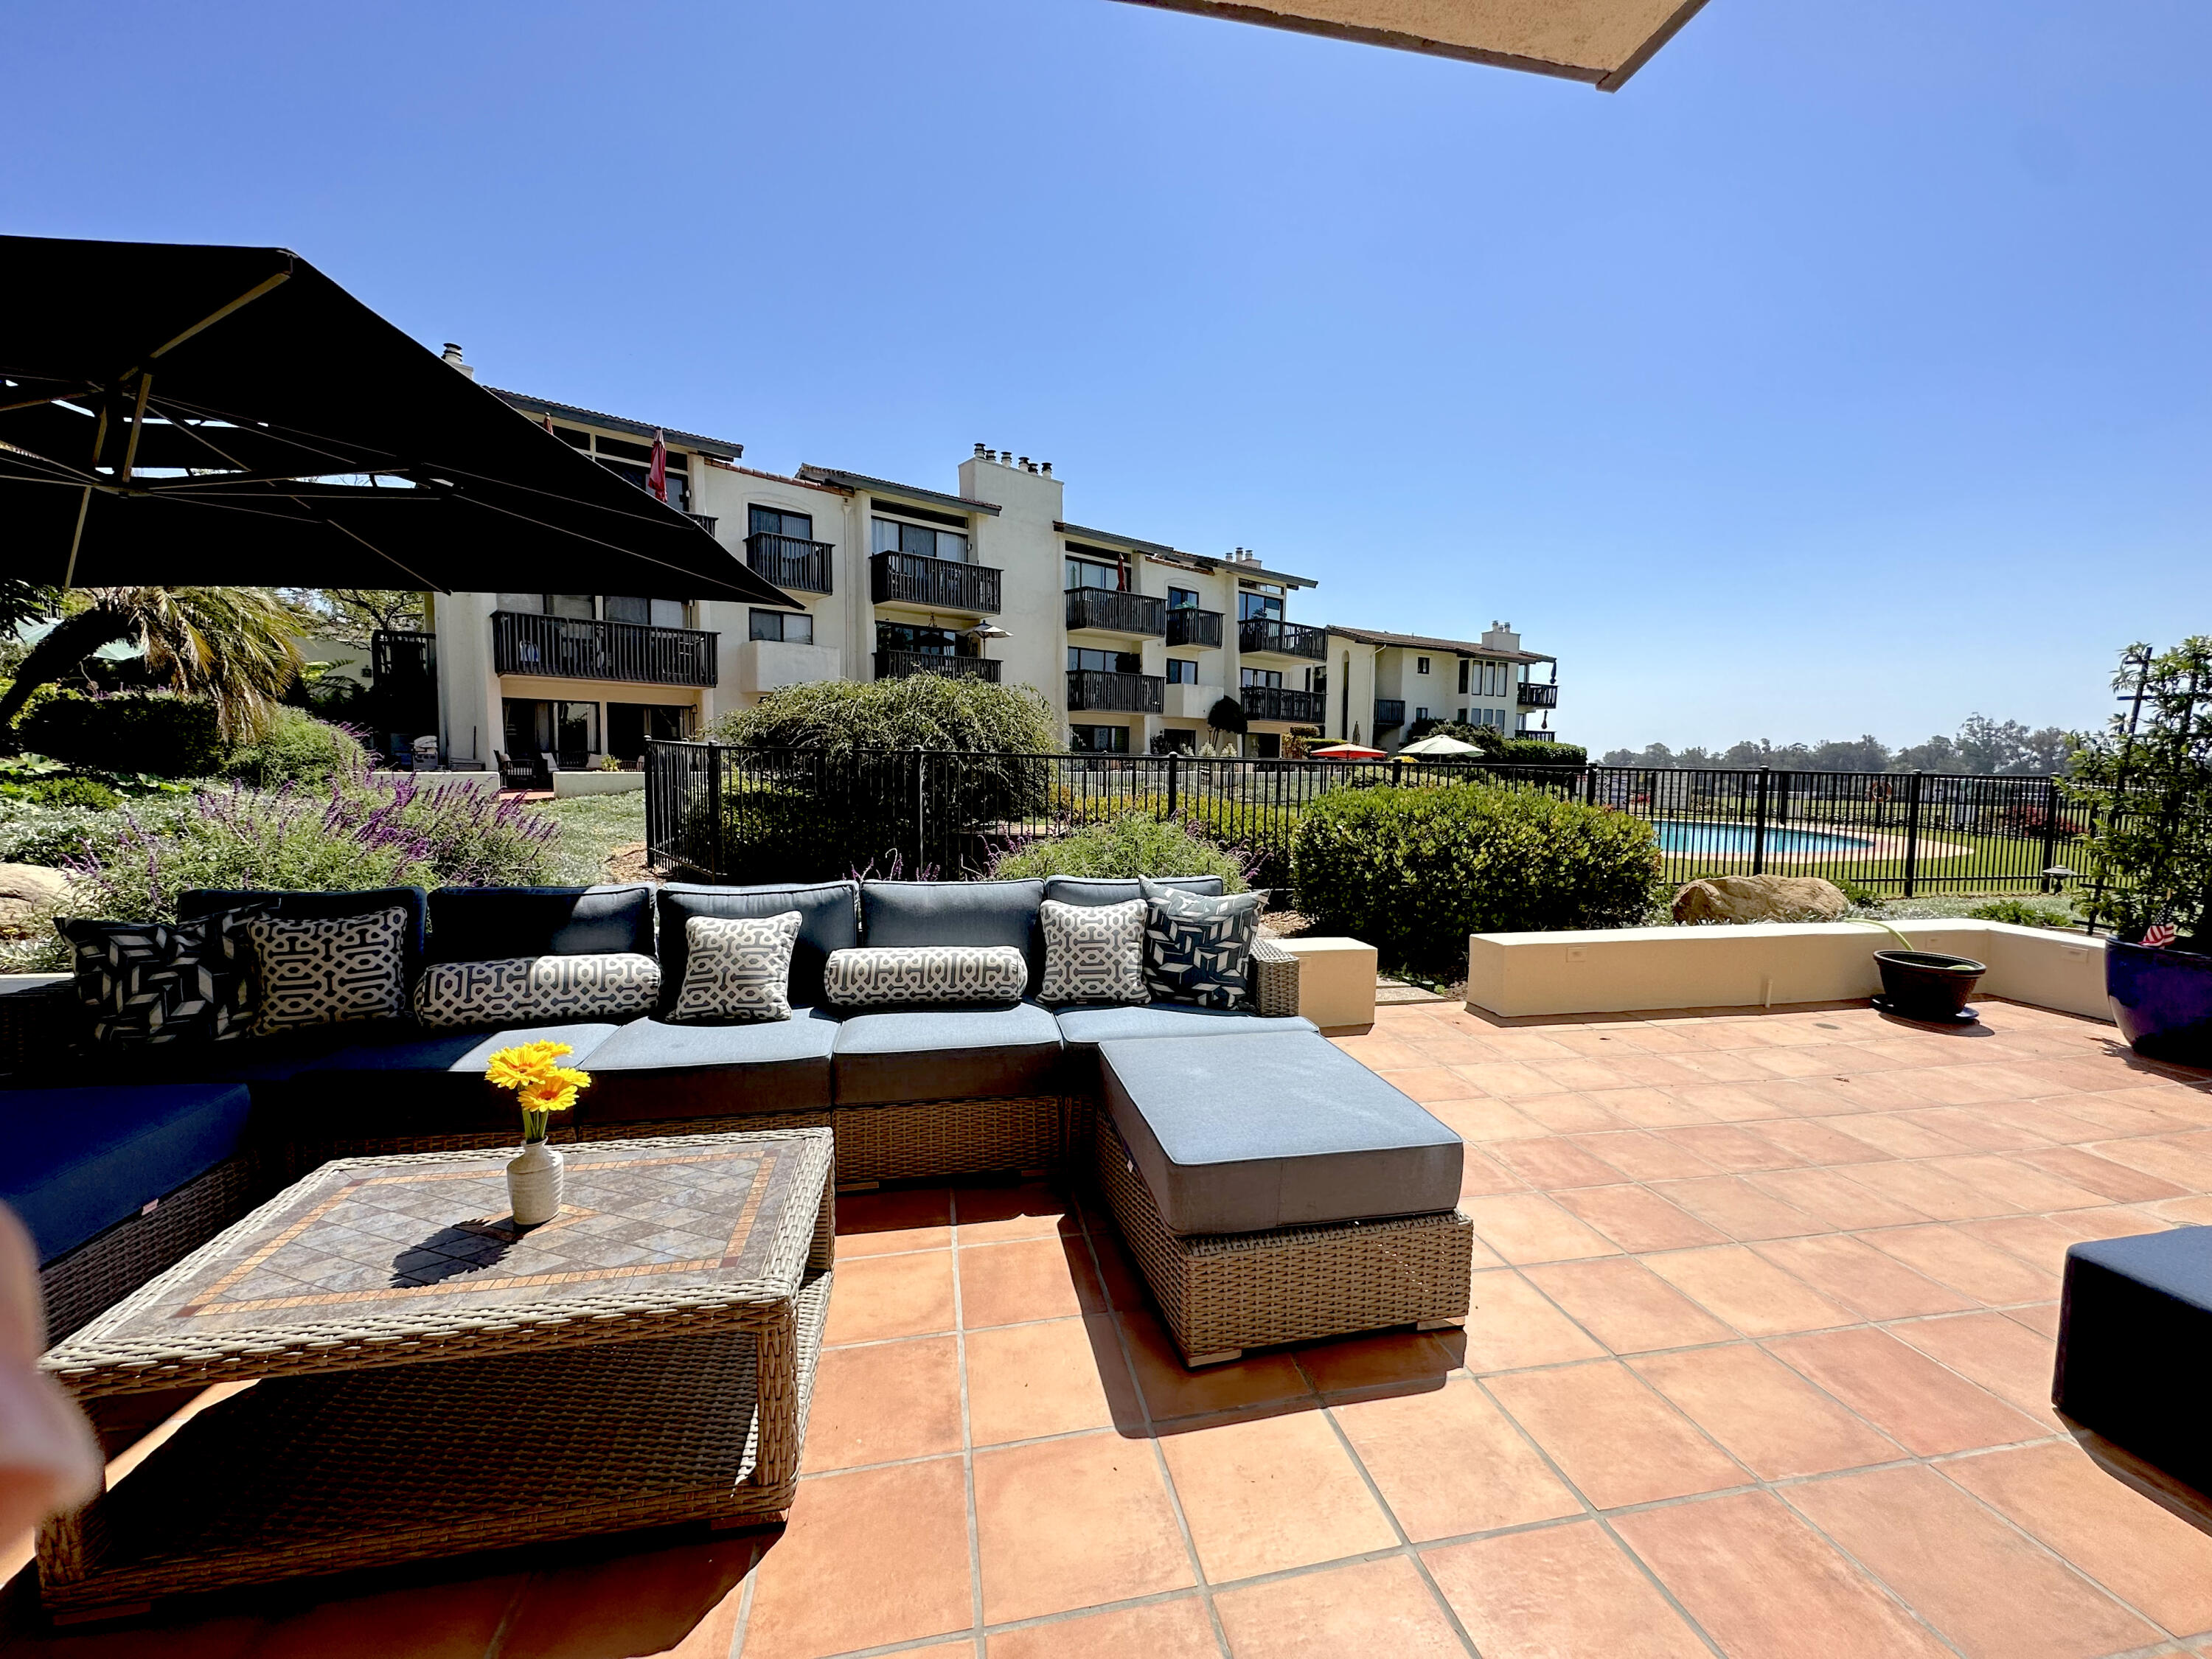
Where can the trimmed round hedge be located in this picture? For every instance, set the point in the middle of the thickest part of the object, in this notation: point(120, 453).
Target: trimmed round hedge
point(1414, 871)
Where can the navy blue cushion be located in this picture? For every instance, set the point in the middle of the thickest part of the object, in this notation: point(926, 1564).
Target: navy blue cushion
point(315, 907)
point(2135, 1343)
point(1239, 1134)
point(958, 913)
point(946, 1053)
point(495, 924)
point(829, 919)
point(418, 1084)
point(1089, 1027)
point(1114, 890)
point(79, 1160)
point(651, 1070)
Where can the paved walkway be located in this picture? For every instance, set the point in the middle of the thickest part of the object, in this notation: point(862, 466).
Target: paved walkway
point(1759, 1366)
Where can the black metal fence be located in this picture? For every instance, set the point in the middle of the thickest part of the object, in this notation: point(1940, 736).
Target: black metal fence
point(753, 816)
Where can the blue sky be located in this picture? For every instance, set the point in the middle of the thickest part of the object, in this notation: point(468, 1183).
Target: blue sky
point(1846, 372)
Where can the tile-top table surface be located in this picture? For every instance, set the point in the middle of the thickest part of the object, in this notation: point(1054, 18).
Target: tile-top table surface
point(392, 1261)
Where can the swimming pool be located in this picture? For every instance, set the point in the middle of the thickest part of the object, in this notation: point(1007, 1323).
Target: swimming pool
point(1726, 839)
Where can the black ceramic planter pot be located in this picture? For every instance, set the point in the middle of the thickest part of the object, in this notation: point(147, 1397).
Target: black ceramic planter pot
point(1927, 985)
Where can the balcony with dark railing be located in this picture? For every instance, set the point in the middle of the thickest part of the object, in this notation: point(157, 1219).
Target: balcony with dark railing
point(1282, 639)
point(1389, 712)
point(789, 561)
point(706, 521)
point(898, 664)
point(932, 584)
point(1108, 611)
point(1096, 691)
point(575, 648)
point(1533, 695)
point(1280, 702)
point(1188, 625)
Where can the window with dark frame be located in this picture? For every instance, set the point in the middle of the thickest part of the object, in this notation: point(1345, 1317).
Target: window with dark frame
point(1182, 671)
point(1268, 605)
point(1104, 662)
point(1420, 665)
point(1182, 598)
point(1089, 573)
point(785, 627)
point(1099, 740)
point(1269, 678)
point(774, 521)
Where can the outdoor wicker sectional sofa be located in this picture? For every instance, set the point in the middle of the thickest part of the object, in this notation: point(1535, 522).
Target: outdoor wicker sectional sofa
point(134, 1160)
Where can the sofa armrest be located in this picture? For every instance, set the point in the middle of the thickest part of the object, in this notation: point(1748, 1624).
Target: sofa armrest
point(1274, 979)
point(36, 1020)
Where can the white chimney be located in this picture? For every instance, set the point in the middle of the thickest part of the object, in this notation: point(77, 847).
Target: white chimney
point(1501, 637)
point(453, 359)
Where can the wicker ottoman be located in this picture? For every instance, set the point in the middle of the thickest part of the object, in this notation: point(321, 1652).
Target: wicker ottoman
point(1275, 1190)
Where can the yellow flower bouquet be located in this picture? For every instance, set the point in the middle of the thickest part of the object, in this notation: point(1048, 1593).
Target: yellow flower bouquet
point(542, 1084)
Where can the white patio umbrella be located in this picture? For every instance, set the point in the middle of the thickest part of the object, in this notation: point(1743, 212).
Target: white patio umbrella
point(1437, 744)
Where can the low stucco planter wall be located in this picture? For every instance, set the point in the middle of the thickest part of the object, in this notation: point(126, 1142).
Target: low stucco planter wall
point(596, 783)
point(1630, 969)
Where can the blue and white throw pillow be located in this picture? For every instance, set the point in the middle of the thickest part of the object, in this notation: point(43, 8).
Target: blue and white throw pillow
point(1198, 950)
point(925, 976)
point(149, 982)
point(736, 968)
point(1094, 952)
point(527, 990)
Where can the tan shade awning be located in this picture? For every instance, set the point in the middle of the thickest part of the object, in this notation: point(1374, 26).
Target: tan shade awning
point(1601, 41)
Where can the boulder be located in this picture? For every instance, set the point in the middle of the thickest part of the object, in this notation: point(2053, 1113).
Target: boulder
point(1761, 898)
point(29, 893)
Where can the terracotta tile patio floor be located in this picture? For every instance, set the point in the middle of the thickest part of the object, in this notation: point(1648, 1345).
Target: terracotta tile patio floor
point(1758, 1365)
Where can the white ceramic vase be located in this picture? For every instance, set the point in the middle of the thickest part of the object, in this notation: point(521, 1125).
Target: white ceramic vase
point(534, 1180)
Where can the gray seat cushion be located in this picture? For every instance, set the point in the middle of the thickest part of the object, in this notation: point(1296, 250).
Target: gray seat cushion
point(1239, 1134)
point(1086, 1028)
point(1112, 890)
point(651, 1069)
point(829, 919)
point(958, 913)
point(946, 1053)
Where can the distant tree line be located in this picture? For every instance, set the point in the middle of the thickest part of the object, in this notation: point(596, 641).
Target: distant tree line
point(1982, 746)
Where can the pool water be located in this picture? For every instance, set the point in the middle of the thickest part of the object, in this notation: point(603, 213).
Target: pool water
point(1724, 840)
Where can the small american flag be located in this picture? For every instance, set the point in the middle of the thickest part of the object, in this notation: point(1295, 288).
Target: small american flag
point(2159, 935)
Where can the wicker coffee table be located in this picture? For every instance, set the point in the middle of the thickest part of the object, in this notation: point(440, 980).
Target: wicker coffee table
point(433, 1381)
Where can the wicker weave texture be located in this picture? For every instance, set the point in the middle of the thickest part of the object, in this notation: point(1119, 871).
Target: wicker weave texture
point(102, 1271)
point(1273, 979)
point(1223, 1293)
point(310, 1475)
point(37, 1022)
point(148, 1340)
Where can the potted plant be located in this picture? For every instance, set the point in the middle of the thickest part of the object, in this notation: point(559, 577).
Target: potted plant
point(541, 1086)
point(2149, 779)
point(1928, 986)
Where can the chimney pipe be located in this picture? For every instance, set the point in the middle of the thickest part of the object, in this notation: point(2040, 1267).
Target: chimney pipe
point(452, 357)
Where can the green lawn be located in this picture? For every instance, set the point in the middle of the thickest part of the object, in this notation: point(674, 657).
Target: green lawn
point(591, 827)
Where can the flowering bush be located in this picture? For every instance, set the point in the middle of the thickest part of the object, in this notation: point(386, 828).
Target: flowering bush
point(360, 832)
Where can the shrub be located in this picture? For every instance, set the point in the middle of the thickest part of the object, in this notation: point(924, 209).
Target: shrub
point(31, 833)
point(1541, 751)
point(297, 749)
point(1864, 898)
point(358, 833)
point(1134, 844)
point(2019, 912)
point(156, 732)
point(63, 791)
point(830, 787)
point(1413, 872)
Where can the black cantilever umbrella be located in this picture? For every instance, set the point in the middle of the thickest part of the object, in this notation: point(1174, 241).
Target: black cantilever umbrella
point(175, 415)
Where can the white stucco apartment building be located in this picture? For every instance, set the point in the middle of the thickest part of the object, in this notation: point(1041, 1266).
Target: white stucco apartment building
point(1131, 642)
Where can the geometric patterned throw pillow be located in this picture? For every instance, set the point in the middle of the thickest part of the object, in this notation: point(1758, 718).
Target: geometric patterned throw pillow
point(146, 982)
point(1094, 953)
point(321, 970)
point(737, 968)
point(520, 990)
point(1198, 950)
point(925, 976)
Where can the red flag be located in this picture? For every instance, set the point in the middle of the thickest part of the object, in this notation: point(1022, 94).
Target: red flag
point(2159, 935)
point(656, 476)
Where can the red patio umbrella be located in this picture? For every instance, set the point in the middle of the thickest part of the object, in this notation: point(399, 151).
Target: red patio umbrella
point(1345, 752)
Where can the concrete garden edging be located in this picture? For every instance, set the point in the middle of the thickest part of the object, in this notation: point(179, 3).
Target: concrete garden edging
point(1631, 969)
